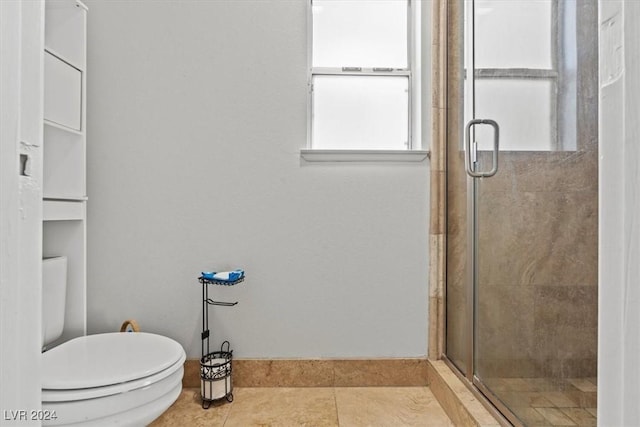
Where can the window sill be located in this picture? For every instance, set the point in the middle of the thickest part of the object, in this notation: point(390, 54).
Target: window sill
point(310, 155)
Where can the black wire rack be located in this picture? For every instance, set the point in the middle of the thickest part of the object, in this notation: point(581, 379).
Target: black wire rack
point(215, 366)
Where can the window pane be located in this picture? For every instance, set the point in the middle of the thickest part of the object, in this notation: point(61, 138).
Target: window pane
point(361, 33)
point(360, 112)
point(513, 34)
point(523, 110)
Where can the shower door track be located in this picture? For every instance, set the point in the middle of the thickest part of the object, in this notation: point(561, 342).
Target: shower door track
point(494, 406)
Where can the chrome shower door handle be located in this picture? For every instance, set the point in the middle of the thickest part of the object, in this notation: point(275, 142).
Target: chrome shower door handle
point(471, 150)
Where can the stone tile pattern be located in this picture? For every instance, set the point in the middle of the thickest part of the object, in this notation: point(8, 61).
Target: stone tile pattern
point(437, 229)
point(549, 401)
point(310, 406)
point(456, 399)
point(319, 373)
point(538, 222)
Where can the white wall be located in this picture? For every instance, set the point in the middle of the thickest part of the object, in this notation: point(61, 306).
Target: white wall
point(196, 114)
point(21, 44)
point(619, 293)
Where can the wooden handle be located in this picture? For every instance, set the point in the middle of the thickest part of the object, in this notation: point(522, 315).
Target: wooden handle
point(130, 325)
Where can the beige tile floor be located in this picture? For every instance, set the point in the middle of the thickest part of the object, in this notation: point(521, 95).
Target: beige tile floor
point(322, 406)
point(548, 401)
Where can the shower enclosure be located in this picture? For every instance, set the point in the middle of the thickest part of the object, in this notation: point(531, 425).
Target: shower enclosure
point(522, 205)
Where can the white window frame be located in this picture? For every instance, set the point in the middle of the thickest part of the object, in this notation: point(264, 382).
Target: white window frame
point(413, 151)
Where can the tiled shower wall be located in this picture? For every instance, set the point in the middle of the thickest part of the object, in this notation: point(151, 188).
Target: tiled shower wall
point(539, 219)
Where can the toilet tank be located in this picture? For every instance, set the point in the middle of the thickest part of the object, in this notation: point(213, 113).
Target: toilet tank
point(54, 297)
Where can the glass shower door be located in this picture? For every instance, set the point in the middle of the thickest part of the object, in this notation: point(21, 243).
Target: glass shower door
point(533, 206)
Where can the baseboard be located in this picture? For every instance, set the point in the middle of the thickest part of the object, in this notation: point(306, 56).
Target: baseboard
point(455, 398)
point(319, 372)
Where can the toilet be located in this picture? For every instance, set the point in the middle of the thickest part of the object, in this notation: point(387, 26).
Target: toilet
point(109, 379)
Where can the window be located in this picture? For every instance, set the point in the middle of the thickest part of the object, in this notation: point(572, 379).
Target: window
point(526, 81)
point(361, 75)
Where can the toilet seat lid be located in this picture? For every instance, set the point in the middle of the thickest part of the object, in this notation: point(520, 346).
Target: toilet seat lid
point(106, 359)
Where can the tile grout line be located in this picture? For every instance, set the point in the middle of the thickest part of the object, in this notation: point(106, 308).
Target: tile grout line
point(335, 402)
point(226, 417)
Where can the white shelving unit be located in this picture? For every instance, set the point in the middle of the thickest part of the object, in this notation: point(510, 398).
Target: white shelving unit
point(65, 144)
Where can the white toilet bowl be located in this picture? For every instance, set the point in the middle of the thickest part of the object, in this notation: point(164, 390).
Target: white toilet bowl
point(113, 379)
